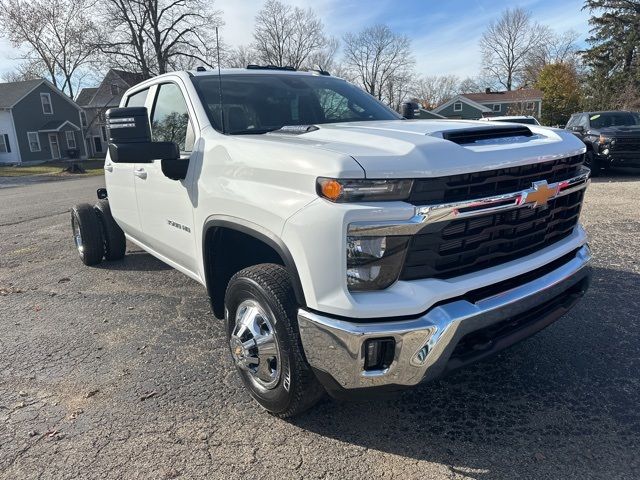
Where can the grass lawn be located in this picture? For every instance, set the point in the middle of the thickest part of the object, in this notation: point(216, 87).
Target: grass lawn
point(92, 167)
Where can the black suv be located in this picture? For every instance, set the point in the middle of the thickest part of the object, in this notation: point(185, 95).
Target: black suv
point(612, 138)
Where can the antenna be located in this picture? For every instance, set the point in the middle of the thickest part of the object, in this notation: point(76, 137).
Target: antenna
point(220, 81)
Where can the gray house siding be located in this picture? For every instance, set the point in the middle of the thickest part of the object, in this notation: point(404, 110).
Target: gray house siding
point(29, 117)
point(468, 112)
point(515, 108)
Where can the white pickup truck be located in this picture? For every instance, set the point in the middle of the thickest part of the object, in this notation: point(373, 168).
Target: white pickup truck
point(348, 250)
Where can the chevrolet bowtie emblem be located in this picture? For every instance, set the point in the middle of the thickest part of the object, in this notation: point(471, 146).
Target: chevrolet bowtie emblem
point(539, 194)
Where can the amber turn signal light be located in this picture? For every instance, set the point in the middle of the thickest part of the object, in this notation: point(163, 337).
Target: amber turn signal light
point(331, 189)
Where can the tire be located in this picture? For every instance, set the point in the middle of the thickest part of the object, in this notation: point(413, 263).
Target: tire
point(593, 163)
point(286, 386)
point(115, 243)
point(87, 234)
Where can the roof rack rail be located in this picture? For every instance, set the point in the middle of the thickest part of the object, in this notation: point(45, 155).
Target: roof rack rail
point(270, 67)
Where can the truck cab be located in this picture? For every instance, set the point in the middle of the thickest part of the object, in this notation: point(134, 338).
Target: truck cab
point(347, 249)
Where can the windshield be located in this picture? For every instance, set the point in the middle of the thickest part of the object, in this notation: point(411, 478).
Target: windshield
point(263, 103)
point(614, 119)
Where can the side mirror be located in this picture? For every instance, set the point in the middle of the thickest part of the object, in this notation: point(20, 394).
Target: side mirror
point(578, 129)
point(410, 110)
point(130, 138)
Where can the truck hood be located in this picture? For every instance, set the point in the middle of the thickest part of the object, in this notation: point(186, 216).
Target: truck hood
point(418, 148)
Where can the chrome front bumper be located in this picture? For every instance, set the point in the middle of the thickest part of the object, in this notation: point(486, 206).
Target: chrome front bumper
point(424, 345)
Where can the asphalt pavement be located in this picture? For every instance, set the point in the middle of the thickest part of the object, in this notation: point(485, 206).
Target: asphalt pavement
point(121, 371)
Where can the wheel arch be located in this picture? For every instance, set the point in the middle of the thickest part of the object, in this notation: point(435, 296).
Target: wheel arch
point(214, 231)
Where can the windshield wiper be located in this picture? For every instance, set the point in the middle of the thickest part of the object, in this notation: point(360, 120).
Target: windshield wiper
point(253, 131)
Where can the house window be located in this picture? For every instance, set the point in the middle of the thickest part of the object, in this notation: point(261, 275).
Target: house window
point(530, 106)
point(45, 99)
point(115, 90)
point(457, 107)
point(83, 119)
point(71, 139)
point(497, 107)
point(4, 143)
point(104, 132)
point(34, 141)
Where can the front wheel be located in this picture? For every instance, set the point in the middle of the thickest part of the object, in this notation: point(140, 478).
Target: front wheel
point(262, 329)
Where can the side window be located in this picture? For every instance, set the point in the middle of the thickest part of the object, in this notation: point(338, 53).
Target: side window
point(47, 108)
point(571, 122)
point(584, 121)
point(137, 99)
point(170, 118)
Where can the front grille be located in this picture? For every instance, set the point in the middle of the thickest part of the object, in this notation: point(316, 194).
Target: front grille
point(471, 186)
point(457, 247)
point(631, 145)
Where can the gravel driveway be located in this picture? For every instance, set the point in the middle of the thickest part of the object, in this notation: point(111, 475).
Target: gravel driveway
point(121, 371)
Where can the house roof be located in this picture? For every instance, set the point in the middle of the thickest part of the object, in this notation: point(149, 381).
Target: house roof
point(11, 93)
point(85, 96)
point(520, 95)
point(56, 126)
point(103, 97)
point(131, 78)
point(463, 99)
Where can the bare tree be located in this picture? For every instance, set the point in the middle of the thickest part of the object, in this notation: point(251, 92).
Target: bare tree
point(56, 37)
point(469, 85)
point(431, 91)
point(156, 36)
point(507, 44)
point(27, 70)
point(287, 36)
point(240, 57)
point(378, 58)
point(324, 59)
point(556, 48)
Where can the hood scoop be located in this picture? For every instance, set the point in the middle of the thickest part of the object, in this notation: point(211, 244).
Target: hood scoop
point(486, 135)
point(296, 129)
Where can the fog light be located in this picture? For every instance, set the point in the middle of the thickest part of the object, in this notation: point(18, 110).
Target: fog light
point(605, 151)
point(379, 353)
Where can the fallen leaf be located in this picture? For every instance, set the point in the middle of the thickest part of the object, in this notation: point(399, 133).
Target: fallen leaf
point(91, 393)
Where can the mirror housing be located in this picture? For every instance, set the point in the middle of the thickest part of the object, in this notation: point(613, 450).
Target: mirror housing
point(130, 138)
point(410, 110)
point(578, 129)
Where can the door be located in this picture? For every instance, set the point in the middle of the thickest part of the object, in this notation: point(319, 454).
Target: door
point(165, 206)
point(54, 145)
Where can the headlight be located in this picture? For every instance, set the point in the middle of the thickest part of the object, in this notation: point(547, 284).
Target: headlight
point(374, 263)
point(359, 190)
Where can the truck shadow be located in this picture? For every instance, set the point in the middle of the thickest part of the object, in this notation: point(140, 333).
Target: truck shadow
point(136, 261)
point(618, 175)
point(554, 399)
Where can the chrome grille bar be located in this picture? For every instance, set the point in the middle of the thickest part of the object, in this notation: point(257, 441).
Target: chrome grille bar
point(529, 198)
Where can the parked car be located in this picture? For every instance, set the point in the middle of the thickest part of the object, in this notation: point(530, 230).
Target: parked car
point(348, 250)
point(524, 119)
point(612, 138)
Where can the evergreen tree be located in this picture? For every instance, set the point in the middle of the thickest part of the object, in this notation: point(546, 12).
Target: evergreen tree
point(614, 53)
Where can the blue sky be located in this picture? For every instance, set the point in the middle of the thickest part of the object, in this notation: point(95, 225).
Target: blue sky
point(444, 33)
